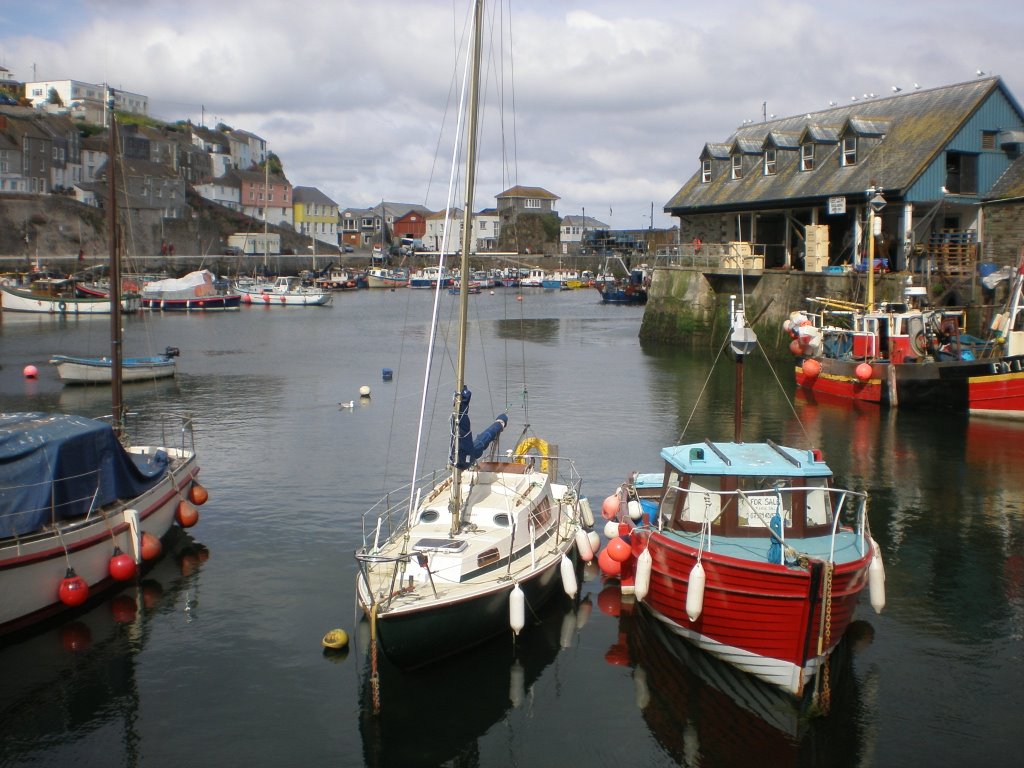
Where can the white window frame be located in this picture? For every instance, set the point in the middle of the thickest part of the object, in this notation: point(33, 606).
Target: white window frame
point(705, 172)
point(770, 162)
point(737, 167)
point(531, 202)
point(807, 157)
point(849, 156)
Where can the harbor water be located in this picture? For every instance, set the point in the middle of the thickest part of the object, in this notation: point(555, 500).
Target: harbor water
point(215, 658)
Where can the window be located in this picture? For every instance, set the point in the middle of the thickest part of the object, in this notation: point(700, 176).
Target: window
point(849, 151)
point(769, 162)
point(705, 171)
point(737, 166)
point(988, 139)
point(807, 157)
point(961, 173)
point(531, 202)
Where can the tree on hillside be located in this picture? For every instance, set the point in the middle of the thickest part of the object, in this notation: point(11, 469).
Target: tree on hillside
point(54, 98)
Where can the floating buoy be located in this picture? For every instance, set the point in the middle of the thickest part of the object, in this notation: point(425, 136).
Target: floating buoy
point(595, 541)
point(583, 545)
point(796, 347)
point(516, 609)
point(608, 566)
point(642, 578)
point(863, 372)
point(197, 494)
point(636, 511)
point(695, 592)
point(611, 529)
point(811, 368)
point(876, 579)
point(568, 577)
point(618, 549)
point(73, 590)
point(151, 546)
point(610, 507)
point(364, 391)
point(187, 515)
point(30, 371)
point(121, 565)
point(586, 513)
point(335, 640)
point(519, 298)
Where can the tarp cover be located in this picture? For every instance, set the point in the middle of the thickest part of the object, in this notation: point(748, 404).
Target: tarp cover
point(194, 285)
point(52, 464)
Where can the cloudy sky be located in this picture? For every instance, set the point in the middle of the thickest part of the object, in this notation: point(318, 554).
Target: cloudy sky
point(605, 104)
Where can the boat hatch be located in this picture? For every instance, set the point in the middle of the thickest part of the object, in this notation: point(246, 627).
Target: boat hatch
point(502, 520)
point(439, 545)
point(429, 516)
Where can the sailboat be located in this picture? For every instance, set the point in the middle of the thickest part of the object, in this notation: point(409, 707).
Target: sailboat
point(79, 510)
point(447, 564)
point(747, 549)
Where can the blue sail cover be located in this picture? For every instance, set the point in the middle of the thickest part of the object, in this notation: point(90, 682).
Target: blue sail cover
point(51, 466)
point(469, 450)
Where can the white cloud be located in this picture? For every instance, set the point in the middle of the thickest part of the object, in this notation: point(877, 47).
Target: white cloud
point(613, 102)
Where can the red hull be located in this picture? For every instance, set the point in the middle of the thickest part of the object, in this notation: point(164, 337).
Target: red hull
point(838, 379)
point(998, 394)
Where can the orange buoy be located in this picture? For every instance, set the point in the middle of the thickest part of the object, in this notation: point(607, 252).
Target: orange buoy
point(187, 515)
point(619, 550)
point(30, 371)
point(121, 565)
point(151, 546)
point(796, 347)
point(610, 507)
point(73, 590)
point(197, 494)
point(811, 368)
point(863, 372)
point(608, 566)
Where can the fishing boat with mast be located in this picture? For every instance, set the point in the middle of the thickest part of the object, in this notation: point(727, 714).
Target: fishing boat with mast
point(454, 557)
point(746, 549)
point(81, 510)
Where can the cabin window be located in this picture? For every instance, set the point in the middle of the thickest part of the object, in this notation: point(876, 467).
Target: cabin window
point(705, 171)
point(769, 162)
point(541, 514)
point(737, 166)
point(807, 157)
point(760, 502)
point(849, 151)
point(819, 503)
point(703, 501)
point(487, 557)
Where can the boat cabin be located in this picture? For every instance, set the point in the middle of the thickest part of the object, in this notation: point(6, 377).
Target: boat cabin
point(737, 488)
point(53, 288)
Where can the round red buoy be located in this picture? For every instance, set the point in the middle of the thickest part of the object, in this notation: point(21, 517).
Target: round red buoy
point(618, 550)
point(610, 507)
point(151, 546)
point(74, 590)
point(811, 368)
point(197, 494)
point(187, 515)
point(121, 566)
point(123, 608)
point(30, 371)
point(608, 566)
point(796, 347)
point(863, 372)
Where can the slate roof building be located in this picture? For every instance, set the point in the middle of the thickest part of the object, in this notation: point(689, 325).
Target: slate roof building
point(934, 155)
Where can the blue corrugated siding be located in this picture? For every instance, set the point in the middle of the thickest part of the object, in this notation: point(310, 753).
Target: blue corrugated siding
point(996, 114)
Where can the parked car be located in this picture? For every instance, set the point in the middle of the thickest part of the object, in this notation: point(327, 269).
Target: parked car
point(232, 250)
point(347, 248)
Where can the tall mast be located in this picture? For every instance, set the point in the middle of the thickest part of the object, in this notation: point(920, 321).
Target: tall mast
point(467, 234)
point(117, 406)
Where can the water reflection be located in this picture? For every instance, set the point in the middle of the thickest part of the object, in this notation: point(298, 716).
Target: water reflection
point(75, 677)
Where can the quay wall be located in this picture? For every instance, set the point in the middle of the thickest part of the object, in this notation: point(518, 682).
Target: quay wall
point(690, 306)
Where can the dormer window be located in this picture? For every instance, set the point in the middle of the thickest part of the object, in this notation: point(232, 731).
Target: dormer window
point(705, 171)
point(769, 162)
point(737, 166)
point(849, 151)
point(807, 157)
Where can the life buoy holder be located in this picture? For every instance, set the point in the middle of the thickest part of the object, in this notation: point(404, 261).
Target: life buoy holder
point(697, 244)
point(63, 307)
point(533, 443)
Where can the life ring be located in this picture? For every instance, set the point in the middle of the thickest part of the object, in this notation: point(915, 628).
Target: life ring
point(696, 244)
point(63, 307)
point(537, 443)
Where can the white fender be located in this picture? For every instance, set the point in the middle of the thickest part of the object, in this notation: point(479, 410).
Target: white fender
point(568, 577)
point(516, 609)
point(586, 513)
point(876, 579)
point(695, 592)
point(636, 511)
point(642, 578)
point(131, 516)
point(584, 546)
point(595, 541)
point(611, 529)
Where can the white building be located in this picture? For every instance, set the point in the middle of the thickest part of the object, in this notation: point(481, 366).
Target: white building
point(87, 100)
point(486, 229)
